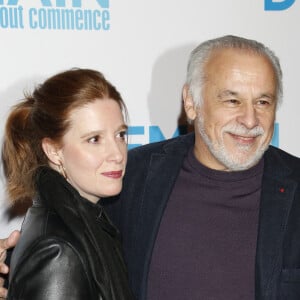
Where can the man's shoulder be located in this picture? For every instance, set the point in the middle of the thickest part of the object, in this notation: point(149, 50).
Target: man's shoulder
point(276, 156)
point(274, 151)
point(174, 145)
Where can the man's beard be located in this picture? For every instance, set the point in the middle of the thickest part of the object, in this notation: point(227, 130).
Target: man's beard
point(233, 161)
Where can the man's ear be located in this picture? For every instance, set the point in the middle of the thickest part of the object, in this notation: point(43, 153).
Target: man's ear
point(51, 150)
point(188, 103)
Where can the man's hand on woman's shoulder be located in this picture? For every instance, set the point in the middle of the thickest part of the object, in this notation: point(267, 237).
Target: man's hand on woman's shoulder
point(5, 244)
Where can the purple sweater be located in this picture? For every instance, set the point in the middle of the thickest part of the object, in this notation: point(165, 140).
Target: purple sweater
point(205, 247)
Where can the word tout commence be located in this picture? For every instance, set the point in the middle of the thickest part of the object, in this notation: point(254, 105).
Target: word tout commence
point(69, 19)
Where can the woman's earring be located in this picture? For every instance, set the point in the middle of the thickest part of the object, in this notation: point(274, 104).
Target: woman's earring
point(62, 170)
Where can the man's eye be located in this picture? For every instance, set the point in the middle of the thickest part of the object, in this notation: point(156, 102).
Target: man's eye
point(263, 102)
point(232, 101)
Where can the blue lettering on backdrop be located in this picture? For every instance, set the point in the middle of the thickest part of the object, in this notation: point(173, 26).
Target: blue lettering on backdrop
point(75, 3)
point(11, 17)
point(103, 3)
point(156, 135)
point(135, 130)
point(46, 2)
point(55, 15)
point(12, 2)
point(61, 3)
point(282, 5)
point(275, 138)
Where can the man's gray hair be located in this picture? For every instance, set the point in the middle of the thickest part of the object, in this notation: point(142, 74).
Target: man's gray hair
point(201, 54)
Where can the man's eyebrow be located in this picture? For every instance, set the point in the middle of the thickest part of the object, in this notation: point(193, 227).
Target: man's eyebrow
point(226, 93)
point(267, 95)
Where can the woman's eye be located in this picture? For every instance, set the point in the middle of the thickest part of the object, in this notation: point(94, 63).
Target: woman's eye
point(123, 135)
point(93, 140)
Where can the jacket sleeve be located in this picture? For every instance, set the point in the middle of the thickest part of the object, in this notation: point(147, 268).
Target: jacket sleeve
point(50, 269)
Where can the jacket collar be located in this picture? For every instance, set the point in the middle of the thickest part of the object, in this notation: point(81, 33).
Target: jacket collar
point(57, 194)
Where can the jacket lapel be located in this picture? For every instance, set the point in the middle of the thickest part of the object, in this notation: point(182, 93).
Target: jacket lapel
point(162, 173)
point(276, 200)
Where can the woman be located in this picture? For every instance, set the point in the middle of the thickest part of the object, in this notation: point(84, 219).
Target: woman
point(65, 147)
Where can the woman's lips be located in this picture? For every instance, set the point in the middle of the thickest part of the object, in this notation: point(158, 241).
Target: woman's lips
point(113, 174)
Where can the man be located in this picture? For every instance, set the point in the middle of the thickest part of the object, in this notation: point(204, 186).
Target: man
point(215, 214)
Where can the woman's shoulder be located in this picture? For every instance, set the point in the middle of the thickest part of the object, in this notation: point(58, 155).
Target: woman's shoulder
point(45, 233)
point(47, 253)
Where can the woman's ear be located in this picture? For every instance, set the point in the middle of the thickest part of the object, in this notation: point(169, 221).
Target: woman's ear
point(51, 150)
point(188, 103)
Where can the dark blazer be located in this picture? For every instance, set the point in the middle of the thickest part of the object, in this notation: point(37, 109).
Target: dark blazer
point(150, 175)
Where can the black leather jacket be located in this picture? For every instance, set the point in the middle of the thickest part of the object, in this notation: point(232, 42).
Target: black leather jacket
point(68, 249)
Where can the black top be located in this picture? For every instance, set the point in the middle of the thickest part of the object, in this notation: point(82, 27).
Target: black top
point(68, 248)
point(208, 227)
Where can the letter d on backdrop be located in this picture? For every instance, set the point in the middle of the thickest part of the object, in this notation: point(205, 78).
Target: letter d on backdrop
point(278, 5)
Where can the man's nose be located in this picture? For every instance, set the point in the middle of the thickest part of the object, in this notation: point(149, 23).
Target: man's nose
point(248, 117)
